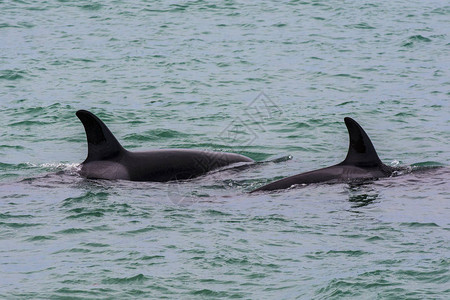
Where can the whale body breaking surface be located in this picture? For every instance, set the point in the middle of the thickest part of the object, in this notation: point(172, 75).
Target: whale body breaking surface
point(107, 159)
point(362, 163)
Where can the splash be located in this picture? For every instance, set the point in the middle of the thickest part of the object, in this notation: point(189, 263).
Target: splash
point(70, 168)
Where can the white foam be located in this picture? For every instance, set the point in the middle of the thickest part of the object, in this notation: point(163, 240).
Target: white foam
point(68, 167)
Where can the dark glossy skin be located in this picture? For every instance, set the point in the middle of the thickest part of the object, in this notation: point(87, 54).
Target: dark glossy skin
point(107, 159)
point(362, 163)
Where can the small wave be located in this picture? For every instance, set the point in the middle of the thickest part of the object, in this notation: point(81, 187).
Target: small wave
point(156, 134)
point(419, 38)
point(348, 76)
point(427, 164)
point(70, 293)
point(19, 225)
point(125, 280)
point(374, 238)
point(95, 245)
point(12, 74)
point(29, 123)
point(213, 212)
point(345, 103)
point(414, 39)
point(145, 229)
point(152, 257)
point(208, 293)
point(270, 218)
point(350, 253)
point(360, 26)
point(92, 6)
point(9, 216)
point(7, 25)
point(94, 213)
point(39, 238)
point(418, 224)
point(72, 231)
point(16, 147)
point(73, 250)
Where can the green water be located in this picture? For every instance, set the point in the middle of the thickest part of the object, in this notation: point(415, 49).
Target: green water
point(272, 80)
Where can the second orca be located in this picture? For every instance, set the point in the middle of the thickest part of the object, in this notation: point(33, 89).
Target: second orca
point(362, 163)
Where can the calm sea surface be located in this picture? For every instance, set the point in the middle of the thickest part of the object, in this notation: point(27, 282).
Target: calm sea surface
point(272, 80)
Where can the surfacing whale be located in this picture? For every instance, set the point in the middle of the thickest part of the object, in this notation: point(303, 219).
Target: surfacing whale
point(107, 159)
point(362, 163)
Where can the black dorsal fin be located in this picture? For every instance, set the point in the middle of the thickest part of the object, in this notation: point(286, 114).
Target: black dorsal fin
point(102, 144)
point(361, 152)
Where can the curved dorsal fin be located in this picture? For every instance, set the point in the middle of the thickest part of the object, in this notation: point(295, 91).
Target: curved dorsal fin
point(102, 144)
point(361, 152)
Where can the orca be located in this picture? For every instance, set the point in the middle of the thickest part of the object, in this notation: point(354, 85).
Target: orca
point(107, 159)
point(362, 163)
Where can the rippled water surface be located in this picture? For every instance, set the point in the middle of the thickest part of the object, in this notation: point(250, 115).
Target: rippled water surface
point(272, 80)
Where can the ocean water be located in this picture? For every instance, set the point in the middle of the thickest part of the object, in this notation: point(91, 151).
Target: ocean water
point(272, 80)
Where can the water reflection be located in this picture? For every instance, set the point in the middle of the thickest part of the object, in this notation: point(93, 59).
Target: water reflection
point(361, 194)
point(362, 200)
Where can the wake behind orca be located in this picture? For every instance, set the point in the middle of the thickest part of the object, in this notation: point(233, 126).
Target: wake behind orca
point(362, 163)
point(107, 159)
